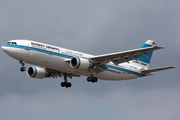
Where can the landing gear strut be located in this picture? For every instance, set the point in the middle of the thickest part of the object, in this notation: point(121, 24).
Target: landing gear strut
point(22, 69)
point(66, 83)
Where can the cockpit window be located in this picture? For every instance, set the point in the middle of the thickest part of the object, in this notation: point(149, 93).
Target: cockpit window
point(14, 43)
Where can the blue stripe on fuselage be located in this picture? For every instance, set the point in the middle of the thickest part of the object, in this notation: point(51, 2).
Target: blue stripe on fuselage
point(37, 49)
point(67, 56)
point(125, 70)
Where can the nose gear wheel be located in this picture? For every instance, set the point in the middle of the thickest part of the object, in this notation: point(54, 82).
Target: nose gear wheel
point(22, 69)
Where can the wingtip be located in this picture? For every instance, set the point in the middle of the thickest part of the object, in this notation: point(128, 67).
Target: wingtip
point(173, 67)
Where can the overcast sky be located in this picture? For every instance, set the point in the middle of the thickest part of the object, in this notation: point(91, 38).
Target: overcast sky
point(95, 27)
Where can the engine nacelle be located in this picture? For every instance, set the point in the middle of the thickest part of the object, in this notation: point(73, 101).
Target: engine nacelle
point(80, 63)
point(36, 72)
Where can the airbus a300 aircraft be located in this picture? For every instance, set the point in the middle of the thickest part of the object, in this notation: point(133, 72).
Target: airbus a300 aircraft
point(57, 62)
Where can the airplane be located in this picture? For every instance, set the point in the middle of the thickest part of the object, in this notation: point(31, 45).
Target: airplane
point(53, 62)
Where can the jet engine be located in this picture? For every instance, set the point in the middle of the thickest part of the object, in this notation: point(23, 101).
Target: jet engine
point(36, 72)
point(80, 63)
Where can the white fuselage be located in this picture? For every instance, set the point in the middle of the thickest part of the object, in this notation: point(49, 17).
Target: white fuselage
point(58, 58)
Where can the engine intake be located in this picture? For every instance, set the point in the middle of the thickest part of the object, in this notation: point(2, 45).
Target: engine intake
point(80, 63)
point(36, 72)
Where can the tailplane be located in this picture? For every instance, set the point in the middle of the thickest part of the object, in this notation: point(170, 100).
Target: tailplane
point(151, 71)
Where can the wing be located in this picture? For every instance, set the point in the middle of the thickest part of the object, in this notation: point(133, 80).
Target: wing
point(55, 74)
point(124, 56)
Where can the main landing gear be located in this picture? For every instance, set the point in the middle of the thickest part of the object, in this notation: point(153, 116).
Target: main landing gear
point(22, 69)
point(92, 79)
point(66, 83)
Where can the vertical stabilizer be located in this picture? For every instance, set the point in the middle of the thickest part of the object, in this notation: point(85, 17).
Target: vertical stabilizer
point(149, 43)
point(145, 61)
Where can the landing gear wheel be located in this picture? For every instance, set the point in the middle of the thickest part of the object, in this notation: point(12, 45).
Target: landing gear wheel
point(66, 84)
point(69, 84)
point(95, 79)
point(89, 79)
point(92, 79)
point(62, 84)
point(22, 69)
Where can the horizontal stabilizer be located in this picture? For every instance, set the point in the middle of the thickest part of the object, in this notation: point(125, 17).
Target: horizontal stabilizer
point(156, 69)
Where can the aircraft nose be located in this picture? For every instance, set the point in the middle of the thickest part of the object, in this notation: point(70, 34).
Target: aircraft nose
point(7, 50)
point(4, 48)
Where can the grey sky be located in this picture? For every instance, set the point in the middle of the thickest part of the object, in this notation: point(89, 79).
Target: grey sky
point(95, 27)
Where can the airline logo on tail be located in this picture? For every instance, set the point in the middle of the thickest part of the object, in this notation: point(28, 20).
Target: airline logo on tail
point(147, 59)
point(154, 43)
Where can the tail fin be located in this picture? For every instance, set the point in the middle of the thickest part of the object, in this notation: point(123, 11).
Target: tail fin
point(145, 61)
point(148, 43)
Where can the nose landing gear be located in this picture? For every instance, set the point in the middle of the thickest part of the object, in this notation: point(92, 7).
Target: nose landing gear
point(22, 69)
